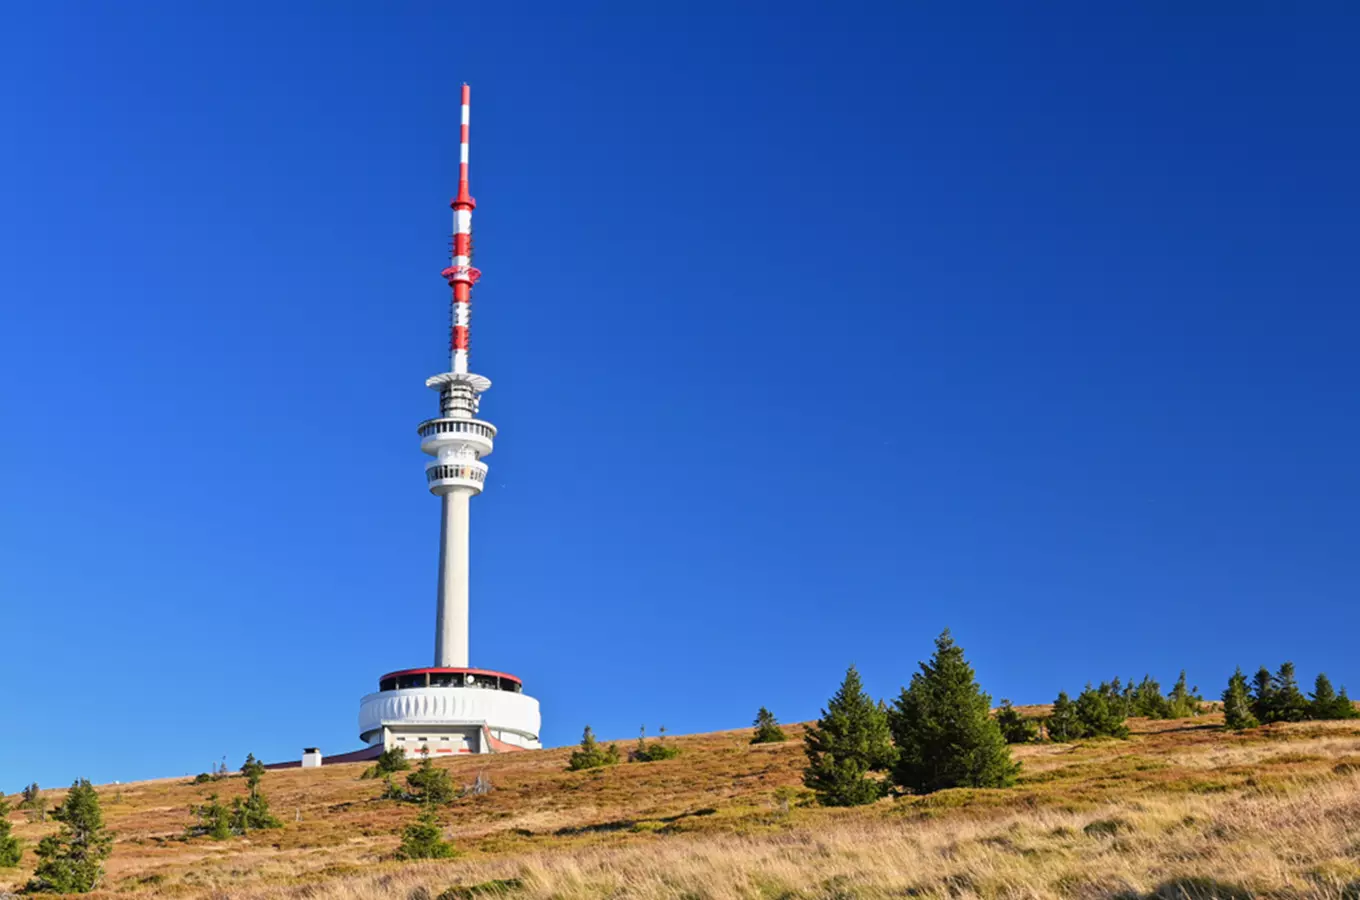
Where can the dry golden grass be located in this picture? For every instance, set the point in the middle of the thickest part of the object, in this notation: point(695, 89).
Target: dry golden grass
point(1181, 809)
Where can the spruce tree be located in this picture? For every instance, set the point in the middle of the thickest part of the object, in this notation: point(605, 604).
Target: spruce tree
point(591, 756)
point(253, 811)
point(428, 783)
point(1345, 709)
point(1063, 723)
point(1263, 696)
point(72, 861)
point(944, 731)
point(1290, 704)
point(1148, 701)
point(1097, 719)
point(1183, 701)
point(767, 729)
point(10, 847)
point(1015, 728)
point(34, 804)
point(424, 838)
point(1322, 705)
point(1237, 712)
point(849, 741)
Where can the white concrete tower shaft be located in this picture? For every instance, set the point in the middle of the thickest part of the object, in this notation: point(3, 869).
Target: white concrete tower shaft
point(457, 439)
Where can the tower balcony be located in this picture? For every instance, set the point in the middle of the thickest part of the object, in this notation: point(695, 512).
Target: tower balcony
point(451, 473)
point(448, 435)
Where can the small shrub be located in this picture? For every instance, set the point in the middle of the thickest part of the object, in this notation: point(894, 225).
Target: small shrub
point(388, 762)
point(1106, 828)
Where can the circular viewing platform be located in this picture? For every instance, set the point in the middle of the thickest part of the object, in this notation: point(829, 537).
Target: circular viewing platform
point(437, 677)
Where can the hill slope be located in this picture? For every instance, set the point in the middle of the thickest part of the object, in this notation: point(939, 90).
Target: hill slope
point(1181, 809)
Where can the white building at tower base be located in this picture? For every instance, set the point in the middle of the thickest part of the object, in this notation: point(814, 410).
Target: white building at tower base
point(448, 711)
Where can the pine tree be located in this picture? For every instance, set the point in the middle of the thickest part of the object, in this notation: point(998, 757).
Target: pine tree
point(944, 731)
point(213, 819)
point(1263, 696)
point(1237, 712)
point(767, 729)
point(590, 756)
point(1097, 719)
point(72, 861)
point(1063, 723)
point(424, 838)
point(11, 848)
point(849, 741)
point(1015, 728)
point(1290, 704)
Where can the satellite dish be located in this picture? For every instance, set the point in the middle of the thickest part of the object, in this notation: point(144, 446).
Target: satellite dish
point(471, 679)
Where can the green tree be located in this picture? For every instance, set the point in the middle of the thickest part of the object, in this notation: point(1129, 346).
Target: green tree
point(1096, 717)
point(213, 819)
point(1263, 696)
point(590, 755)
point(944, 731)
point(424, 838)
point(1015, 728)
point(1289, 704)
point(389, 761)
point(11, 848)
point(655, 751)
point(1147, 700)
point(428, 783)
point(253, 812)
point(72, 861)
point(849, 741)
point(1326, 703)
point(1237, 712)
point(1183, 701)
point(1063, 722)
point(34, 804)
point(767, 729)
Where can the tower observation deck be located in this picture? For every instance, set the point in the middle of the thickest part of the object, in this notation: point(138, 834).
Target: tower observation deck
point(451, 707)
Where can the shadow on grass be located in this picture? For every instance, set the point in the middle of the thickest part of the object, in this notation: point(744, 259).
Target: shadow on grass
point(630, 824)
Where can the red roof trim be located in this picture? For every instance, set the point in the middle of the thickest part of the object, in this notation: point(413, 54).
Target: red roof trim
point(444, 671)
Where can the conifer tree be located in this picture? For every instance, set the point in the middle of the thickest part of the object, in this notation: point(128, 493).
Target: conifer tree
point(1148, 701)
point(34, 804)
point(1326, 703)
point(1290, 705)
point(72, 861)
point(253, 811)
point(944, 731)
point(1322, 705)
point(1237, 711)
point(849, 741)
point(1263, 696)
point(428, 783)
point(424, 838)
point(10, 847)
point(591, 756)
point(1015, 728)
point(767, 729)
point(1183, 701)
point(1097, 719)
point(1063, 723)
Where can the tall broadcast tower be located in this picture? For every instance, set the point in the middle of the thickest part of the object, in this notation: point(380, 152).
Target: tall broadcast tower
point(449, 707)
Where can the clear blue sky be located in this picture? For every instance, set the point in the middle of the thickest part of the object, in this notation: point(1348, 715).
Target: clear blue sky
point(813, 331)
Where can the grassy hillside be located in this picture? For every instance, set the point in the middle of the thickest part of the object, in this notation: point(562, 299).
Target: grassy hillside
point(1181, 809)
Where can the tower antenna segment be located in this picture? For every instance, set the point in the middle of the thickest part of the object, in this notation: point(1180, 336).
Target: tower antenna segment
point(460, 274)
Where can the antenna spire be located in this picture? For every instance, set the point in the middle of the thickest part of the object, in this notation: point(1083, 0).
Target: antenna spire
point(460, 274)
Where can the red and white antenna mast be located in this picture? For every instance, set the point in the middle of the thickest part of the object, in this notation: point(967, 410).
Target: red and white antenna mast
point(460, 274)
